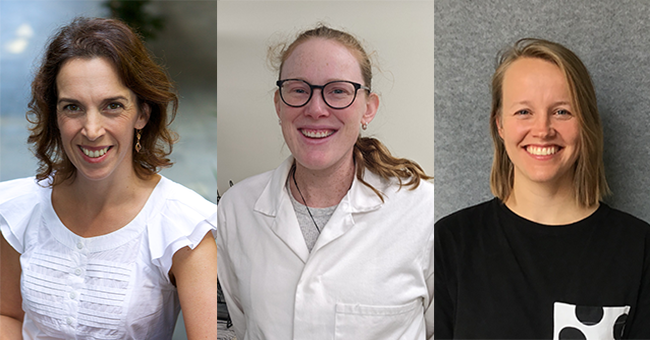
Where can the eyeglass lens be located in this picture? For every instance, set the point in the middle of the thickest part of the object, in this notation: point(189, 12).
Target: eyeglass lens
point(337, 94)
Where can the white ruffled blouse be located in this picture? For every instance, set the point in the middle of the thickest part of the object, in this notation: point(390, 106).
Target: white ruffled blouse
point(114, 286)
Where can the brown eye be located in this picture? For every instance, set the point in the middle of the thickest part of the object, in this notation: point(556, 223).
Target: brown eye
point(71, 107)
point(114, 106)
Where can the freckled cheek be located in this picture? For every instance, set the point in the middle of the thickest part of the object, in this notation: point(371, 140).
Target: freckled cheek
point(288, 115)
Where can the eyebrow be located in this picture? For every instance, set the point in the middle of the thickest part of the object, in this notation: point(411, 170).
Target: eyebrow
point(527, 103)
point(74, 101)
point(67, 100)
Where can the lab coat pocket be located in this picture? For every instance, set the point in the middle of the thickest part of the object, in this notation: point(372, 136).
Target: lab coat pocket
point(359, 322)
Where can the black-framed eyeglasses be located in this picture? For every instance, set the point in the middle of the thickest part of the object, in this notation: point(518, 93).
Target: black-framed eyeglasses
point(338, 94)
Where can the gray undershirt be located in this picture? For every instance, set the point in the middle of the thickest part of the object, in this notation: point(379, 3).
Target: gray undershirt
point(321, 216)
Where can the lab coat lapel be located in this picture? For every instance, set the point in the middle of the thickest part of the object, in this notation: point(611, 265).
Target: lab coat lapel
point(275, 202)
point(359, 199)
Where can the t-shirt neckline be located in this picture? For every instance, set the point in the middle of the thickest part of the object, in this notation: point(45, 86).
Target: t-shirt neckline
point(535, 227)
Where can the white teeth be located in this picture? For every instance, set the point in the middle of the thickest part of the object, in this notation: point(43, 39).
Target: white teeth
point(542, 150)
point(96, 153)
point(316, 133)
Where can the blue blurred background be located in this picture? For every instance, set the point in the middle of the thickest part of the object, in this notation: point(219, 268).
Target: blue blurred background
point(186, 46)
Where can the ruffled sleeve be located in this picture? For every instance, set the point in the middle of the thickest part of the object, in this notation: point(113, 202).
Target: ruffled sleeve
point(19, 208)
point(180, 222)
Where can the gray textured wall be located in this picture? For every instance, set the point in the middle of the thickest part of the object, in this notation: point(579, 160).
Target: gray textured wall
point(612, 39)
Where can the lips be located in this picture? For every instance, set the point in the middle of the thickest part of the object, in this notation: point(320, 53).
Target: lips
point(317, 133)
point(542, 150)
point(96, 152)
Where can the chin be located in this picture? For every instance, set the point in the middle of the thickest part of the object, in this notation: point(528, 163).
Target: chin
point(548, 178)
point(315, 166)
point(93, 175)
point(313, 163)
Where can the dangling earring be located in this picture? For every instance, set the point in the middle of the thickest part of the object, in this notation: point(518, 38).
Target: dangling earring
point(137, 143)
point(364, 125)
point(279, 121)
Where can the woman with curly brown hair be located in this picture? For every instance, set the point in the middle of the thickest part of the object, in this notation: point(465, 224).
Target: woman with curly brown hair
point(98, 244)
point(337, 242)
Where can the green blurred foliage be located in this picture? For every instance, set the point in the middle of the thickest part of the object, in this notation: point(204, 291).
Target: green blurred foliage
point(134, 14)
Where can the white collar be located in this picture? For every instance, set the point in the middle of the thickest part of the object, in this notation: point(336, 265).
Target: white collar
point(360, 198)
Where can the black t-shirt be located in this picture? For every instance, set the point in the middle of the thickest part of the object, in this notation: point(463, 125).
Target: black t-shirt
point(500, 276)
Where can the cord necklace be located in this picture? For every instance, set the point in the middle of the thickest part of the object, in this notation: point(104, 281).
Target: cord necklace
point(303, 199)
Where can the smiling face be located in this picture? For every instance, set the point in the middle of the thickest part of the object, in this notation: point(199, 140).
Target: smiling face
point(97, 116)
point(318, 136)
point(538, 125)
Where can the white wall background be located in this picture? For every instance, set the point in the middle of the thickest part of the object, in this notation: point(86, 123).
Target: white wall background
point(249, 139)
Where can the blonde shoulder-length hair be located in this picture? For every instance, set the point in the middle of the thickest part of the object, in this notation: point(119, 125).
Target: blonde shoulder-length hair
point(589, 183)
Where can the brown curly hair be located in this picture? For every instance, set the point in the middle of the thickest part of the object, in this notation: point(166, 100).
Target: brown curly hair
point(111, 39)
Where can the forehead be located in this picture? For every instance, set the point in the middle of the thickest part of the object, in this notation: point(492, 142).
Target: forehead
point(82, 76)
point(538, 72)
point(319, 59)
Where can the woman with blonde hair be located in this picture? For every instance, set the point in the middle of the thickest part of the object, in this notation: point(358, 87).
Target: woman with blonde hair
point(337, 242)
point(545, 258)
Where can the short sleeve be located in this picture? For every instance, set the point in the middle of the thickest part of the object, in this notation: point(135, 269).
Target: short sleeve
point(182, 221)
point(19, 208)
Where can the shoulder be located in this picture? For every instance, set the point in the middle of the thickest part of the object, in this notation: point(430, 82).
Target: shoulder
point(177, 218)
point(394, 186)
point(21, 196)
point(16, 188)
point(178, 211)
point(620, 219)
point(247, 190)
point(20, 201)
point(469, 217)
point(425, 188)
point(422, 196)
point(178, 198)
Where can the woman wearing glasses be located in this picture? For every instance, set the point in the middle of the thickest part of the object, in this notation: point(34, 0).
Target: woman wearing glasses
point(337, 242)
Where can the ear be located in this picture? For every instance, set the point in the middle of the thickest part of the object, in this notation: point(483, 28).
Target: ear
point(372, 104)
point(498, 120)
point(277, 101)
point(143, 117)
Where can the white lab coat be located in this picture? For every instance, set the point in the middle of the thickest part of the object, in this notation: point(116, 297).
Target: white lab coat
point(369, 275)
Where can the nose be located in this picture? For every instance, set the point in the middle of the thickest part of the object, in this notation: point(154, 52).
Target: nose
point(316, 107)
point(93, 127)
point(543, 126)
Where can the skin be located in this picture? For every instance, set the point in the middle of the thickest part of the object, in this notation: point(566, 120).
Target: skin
point(324, 166)
point(11, 311)
point(541, 135)
point(96, 112)
point(195, 273)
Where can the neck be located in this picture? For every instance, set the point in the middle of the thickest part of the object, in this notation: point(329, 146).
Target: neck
point(547, 204)
point(322, 188)
point(94, 195)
